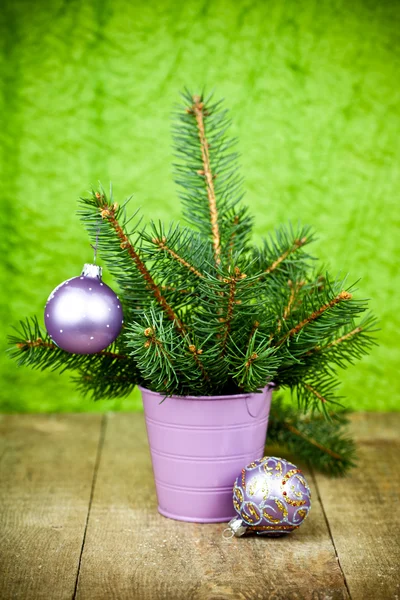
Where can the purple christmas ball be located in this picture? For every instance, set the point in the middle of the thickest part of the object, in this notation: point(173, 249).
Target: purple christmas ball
point(83, 315)
point(271, 497)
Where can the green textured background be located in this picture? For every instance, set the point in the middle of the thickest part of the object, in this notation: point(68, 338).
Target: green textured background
point(86, 94)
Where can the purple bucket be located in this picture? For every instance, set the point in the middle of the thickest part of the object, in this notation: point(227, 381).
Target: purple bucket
point(198, 446)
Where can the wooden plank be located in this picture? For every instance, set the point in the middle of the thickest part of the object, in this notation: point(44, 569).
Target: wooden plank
point(363, 513)
point(133, 552)
point(46, 471)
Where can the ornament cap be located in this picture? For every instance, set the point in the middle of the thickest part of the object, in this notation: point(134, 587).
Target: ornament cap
point(93, 271)
point(237, 526)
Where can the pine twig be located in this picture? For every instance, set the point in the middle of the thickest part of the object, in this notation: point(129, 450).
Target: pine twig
point(313, 442)
point(162, 244)
point(294, 288)
point(345, 337)
point(40, 343)
point(316, 393)
point(322, 443)
point(198, 111)
point(109, 213)
point(343, 296)
point(296, 245)
point(172, 288)
point(232, 281)
point(341, 339)
point(195, 353)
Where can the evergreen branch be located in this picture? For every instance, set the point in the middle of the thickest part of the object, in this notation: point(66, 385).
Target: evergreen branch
point(323, 443)
point(172, 288)
point(33, 347)
point(108, 213)
point(296, 245)
point(227, 321)
point(26, 345)
point(101, 385)
point(283, 250)
point(199, 111)
point(341, 297)
point(294, 290)
point(313, 442)
point(162, 244)
point(195, 353)
point(288, 307)
point(353, 342)
point(208, 173)
point(345, 337)
point(316, 393)
point(254, 328)
point(257, 366)
point(166, 359)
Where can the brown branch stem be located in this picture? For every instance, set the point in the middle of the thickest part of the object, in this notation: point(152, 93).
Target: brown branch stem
point(232, 281)
point(339, 340)
point(339, 298)
point(162, 244)
point(294, 288)
point(109, 213)
point(199, 112)
point(345, 337)
point(296, 245)
point(42, 344)
point(316, 393)
point(313, 442)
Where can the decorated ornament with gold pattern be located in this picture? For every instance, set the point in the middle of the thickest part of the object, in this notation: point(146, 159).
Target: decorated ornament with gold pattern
point(271, 497)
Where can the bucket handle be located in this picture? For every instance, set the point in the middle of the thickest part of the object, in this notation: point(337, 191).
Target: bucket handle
point(254, 411)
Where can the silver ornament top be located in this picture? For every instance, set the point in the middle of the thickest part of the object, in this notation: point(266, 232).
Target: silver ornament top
point(237, 526)
point(93, 271)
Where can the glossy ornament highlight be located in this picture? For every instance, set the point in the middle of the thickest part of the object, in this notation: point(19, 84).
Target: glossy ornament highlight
point(83, 315)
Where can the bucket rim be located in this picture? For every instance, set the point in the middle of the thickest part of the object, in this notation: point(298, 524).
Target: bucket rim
point(268, 388)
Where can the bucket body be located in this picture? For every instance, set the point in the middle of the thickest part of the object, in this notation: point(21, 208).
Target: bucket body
point(199, 445)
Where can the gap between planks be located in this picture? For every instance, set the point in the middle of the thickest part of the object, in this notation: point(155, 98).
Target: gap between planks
point(103, 427)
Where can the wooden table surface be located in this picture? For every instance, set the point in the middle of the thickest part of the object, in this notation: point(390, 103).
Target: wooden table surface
point(79, 520)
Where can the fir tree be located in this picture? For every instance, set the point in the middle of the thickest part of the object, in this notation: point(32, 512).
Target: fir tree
point(207, 312)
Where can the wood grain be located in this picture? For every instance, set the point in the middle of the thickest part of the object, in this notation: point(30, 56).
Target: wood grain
point(48, 467)
point(46, 473)
point(133, 552)
point(363, 510)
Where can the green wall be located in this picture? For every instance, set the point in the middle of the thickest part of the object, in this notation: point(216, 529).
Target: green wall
point(86, 94)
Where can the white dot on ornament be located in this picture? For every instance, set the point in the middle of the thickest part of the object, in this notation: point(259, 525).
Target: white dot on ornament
point(117, 305)
point(61, 330)
point(108, 326)
point(102, 284)
point(90, 289)
point(47, 315)
point(80, 277)
point(91, 337)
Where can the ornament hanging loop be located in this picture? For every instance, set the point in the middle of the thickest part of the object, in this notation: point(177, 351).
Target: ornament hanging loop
point(227, 533)
point(96, 245)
